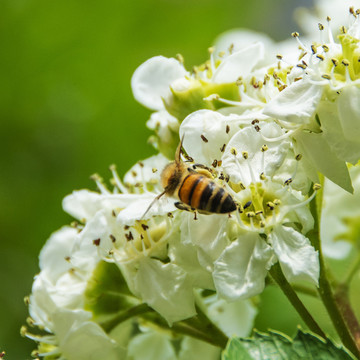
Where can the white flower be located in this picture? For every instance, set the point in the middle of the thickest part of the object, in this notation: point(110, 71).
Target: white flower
point(206, 133)
point(325, 100)
point(234, 250)
point(338, 206)
point(162, 83)
point(56, 302)
point(140, 248)
point(337, 11)
point(153, 345)
point(76, 337)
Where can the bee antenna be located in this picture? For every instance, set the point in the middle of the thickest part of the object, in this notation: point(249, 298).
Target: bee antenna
point(152, 203)
point(178, 150)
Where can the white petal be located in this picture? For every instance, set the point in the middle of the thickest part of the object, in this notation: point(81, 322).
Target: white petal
point(207, 233)
point(137, 208)
point(295, 104)
point(193, 349)
point(41, 304)
point(240, 271)
point(223, 315)
point(85, 253)
point(145, 173)
point(164, 124)
point(81, 339)
point(211, 125)
point(166, 288)
point(319, 154)
point(184, 254)
point(298, 259)
point(251, 141)
point(240, 39)
point(344, 148)
point(56, 250)
point(349, 112)
point(337, 205)
point(240, 63)
point(150, 346)
point(82, 204)
point(152, 79)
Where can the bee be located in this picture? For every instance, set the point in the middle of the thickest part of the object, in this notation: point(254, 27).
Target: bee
point(195, 189)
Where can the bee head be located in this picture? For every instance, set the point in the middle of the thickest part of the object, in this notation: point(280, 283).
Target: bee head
point(171, 176)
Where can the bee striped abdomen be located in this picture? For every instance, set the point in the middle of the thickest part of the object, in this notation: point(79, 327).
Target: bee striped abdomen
point(204, 194)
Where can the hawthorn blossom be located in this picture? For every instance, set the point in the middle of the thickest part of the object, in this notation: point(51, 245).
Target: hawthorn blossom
point(234, 249)
point(262, 124)
point(56, 304)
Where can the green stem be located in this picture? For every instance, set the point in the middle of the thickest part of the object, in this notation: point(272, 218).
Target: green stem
point(289, 292)
point(353, 270)
point(199, 327)
point(189, 328)
point(202, 322)
point(125, 315)
point(343, 302)
point(325, 290)
point(306, 290)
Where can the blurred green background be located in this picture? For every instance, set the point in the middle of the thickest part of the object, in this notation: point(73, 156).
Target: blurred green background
point(67, 111)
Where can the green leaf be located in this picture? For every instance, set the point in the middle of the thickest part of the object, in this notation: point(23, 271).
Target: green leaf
point(277, 346)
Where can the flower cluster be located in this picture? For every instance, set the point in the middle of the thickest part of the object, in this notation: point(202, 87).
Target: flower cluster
point(134, 267)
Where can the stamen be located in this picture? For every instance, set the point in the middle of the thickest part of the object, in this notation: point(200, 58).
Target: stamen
point(212, 60)
point(252, 223)
point(247, 204)
point(264, 148)
point(212, 97)
point(316, 187)
point(204, 139)
point(249, 102)
point(99, 183)
point(270, 205)
point(281, 137)
point(330, 35)
point(296, 36)
point(118, 182)
point(231, 48)
point(180, 58)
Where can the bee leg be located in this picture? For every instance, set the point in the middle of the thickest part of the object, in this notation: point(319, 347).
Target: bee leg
point(195, 215)
point(201, 169)
point(182, 206)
